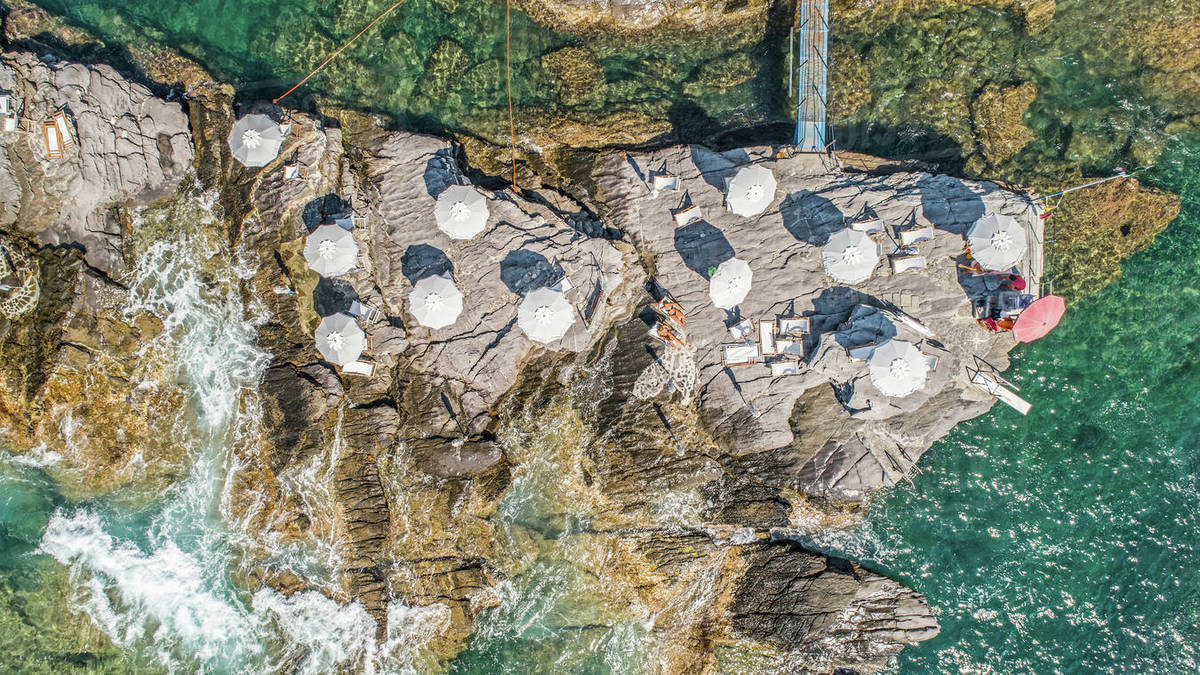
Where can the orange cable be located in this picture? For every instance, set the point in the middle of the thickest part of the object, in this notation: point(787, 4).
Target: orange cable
point(341, 49)
point(512, 132)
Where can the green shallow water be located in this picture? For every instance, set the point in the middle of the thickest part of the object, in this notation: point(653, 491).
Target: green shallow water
point(438, 65)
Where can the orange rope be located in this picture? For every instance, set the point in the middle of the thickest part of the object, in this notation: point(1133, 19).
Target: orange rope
point(512, 132)
point(341, 49)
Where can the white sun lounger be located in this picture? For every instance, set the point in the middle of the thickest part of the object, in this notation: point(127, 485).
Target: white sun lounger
point(742, 329)
point(365, 312)
point(907, 263)
point(785, 367)
point(11, 122)
point(868, 226)
point(794, 326)
point(64, 129)
point(793, 347)
point(739, 354)
point(766, 337)
point(365, 368)
point(990, 384)
point(688, 216)
point(913, 235)
point(662, 182)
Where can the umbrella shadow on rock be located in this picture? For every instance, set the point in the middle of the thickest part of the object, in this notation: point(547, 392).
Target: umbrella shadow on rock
point(422, 260)
point(441, 171)
point(323, 210)
point(702, 246)
point(830, 310)
point(950, 204)
point(811, 218)
point(332, 296)
point(523, 271)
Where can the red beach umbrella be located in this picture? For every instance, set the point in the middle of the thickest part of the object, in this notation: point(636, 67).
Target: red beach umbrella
point(1039, 318)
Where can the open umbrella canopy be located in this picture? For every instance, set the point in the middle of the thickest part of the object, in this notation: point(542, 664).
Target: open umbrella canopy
point(850, 256)
point(331, 250)
point(435, 301)
point(997, 242)
point(255, 140)
point(897, 368)
point(750, 192)
point(461, 211)
point(545, 315)
point(1039, 318)
point(339, 339)
point(730, 283)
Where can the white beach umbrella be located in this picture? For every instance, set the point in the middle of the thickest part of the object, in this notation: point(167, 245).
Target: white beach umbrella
point(850, 256)
point(435, 301)
point(339, 339)
point(997, 242)
point(461, 211)
point(730, 283)
point(751, 191)
point(255, 140)
point(897, 368)
point(331, 250)
point(545, 315)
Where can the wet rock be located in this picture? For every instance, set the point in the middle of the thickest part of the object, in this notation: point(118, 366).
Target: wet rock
point(642, 17)
point(576, 72)
point(998, 117)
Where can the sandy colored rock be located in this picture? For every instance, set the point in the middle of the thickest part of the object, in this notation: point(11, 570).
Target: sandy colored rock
point(998, 116)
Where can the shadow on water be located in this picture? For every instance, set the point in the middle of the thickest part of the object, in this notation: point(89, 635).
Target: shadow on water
point(422, 260)
point(523, 271)
point(702, 245)
point(811, 218)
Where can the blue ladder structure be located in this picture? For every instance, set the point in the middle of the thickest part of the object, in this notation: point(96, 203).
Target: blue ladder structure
point(812, 75)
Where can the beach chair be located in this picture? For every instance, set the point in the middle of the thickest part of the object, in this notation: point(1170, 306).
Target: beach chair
point(593, 302)
point(789, 347)
point(10, 122)
point(687, 216)
point(661, 182)
point(782, 367)
point(792, 326)
point(766, 337)
point(563, 284)
point(742, 329)
point(358, 221)
point(54, 145)
point(931, 361)
point(6, 106)
point(991, 384)
point(915, 234)
point(365, 312)
point(293, 172)
point(364, 368)
point(906, 263)
point(869, 225)
point(739, 354)
point(64, 129)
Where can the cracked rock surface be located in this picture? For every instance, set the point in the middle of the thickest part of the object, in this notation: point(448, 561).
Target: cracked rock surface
point(132, 148)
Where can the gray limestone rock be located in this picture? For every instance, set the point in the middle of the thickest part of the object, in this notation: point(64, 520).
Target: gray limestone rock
point(132, 149)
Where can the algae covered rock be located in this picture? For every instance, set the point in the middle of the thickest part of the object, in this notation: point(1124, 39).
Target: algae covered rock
point(1093, 230)
point(998, 115)
point(444, 68)
point(723, 73)
point(849, 82)
point(575, 71)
